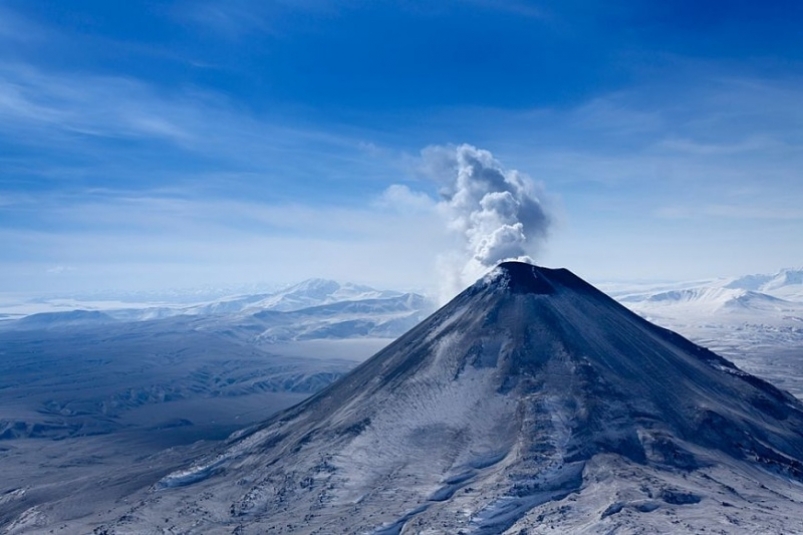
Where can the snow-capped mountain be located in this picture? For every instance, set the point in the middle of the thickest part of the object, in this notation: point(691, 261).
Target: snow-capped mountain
point(713, 300)
point(786, 284)
point(531, 403)
point(317, 292)
point(313, 309)
point(381, 317)
point(306, 294)
point(787, 281)
point(755, 320)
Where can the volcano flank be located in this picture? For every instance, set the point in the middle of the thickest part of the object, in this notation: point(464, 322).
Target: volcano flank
point(530, 402)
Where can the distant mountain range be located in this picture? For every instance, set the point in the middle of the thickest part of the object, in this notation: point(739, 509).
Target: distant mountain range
point(777, 293)
point(312, 309)
point(755, 320)
point(776, 299)
point(786, 283)
point(714, 299)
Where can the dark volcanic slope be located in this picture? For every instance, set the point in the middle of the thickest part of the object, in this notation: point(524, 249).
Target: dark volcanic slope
point(531, 400)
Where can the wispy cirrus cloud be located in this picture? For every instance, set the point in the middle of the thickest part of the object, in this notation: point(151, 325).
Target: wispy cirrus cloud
point(724, 134)
point(689, 146)
point(120, 236)
point(162, 135)
point(91, 105)
point(734, 212)
point(239, 18)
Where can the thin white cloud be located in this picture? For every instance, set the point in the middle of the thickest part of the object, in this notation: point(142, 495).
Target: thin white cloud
point(614, 114)
point(689, 146)
point(231, 19)
point(732, 211)
point(237, 19)
point(401, 198)
point(81, 113)
point(90, 105)
point(217, 241)
point(58, 270)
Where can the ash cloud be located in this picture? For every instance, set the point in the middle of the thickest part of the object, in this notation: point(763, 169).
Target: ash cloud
point(497, 213)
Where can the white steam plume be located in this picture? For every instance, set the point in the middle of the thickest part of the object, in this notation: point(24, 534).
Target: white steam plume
point(498, 213)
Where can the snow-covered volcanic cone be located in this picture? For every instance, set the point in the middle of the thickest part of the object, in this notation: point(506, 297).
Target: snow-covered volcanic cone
point(531, 402)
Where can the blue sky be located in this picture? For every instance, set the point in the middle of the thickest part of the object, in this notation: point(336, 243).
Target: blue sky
point(148, 144)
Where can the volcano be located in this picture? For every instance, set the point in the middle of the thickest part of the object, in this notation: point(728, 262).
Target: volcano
point(531, 402)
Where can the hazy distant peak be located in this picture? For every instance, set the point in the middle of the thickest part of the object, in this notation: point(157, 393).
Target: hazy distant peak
point(312, 286)
point(749, 282)
point(316, 292)
point(768, 282)
point(69, 319)
point(785, 277)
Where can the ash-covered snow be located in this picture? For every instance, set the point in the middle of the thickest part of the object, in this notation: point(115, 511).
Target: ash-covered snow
point(530, 403)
